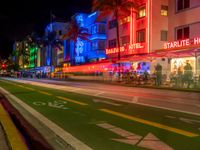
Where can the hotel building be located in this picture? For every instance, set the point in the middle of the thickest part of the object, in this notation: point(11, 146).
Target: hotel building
point(162, 31)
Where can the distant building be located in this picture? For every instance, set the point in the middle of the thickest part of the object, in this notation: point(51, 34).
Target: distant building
point(54, 53)
point(90, 50)
point(21, 54)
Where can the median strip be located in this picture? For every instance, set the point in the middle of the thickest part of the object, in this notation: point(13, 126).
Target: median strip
point(14, 138)
point(73, 101)
point(151, 123)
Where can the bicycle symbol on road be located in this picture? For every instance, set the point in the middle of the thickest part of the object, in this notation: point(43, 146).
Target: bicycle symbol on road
point(54, 104)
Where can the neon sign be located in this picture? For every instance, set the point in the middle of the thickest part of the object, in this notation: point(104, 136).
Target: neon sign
point(182, 43)
point(130, 49)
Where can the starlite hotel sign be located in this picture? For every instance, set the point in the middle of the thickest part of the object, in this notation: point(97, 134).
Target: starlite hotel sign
point(182, 43)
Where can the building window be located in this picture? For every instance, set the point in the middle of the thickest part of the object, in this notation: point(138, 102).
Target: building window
point(141, 12)
point(125, 20)
point(102, 28)
point(112, 24)
point(140, 36)
point(125, 40)
point(99, 45)
point(164, 10)
point(182, 4)
point(164, 35)
point(94, 45)
point(102, 44)
point(182, 33)
point(94, 29)
point(112, 43)
point(60, 32)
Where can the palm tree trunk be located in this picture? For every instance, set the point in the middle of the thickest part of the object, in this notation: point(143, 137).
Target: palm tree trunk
point(118, 45)
point(51, 61)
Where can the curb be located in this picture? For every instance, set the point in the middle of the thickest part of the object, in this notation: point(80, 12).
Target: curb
point(32, 137)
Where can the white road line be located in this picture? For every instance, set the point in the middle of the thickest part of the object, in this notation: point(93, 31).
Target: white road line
point(135, 99)
point(153, 143)
point(99, 93)
point(171, 117)
point(105, 102)
point(128, 137)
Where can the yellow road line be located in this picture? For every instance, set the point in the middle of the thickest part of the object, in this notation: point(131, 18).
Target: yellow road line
point(28, 88)
point(73, 101)
point(151, 123)
point(12, 133)
point(20, 86)
point(46, 93)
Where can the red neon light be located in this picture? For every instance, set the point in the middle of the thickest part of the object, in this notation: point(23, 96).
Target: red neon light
point(102, 67)
point(182, 43)
point(130, 48)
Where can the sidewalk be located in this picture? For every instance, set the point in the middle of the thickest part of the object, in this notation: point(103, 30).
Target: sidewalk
point(15, 140)
point(3, 140)
point(121, 83)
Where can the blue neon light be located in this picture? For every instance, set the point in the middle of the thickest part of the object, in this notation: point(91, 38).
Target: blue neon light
point(84, 51)
point(91, 15)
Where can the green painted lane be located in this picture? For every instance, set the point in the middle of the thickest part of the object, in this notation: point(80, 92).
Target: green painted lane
point(81, 115)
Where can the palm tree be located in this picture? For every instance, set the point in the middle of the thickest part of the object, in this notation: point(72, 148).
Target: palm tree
point(75, 31)
point(118, 9)
point(53, 44)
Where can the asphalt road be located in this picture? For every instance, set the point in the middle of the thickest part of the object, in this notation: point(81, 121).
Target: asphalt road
point(93, 114)
point(188, 102)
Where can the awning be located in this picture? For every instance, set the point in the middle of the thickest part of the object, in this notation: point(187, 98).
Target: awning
point(181, 53)
point(168, 54)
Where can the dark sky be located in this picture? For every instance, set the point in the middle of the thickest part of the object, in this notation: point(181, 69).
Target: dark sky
point(20, 17)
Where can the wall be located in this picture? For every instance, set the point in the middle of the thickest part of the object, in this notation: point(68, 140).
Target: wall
point(189, 16)
point(157, 24)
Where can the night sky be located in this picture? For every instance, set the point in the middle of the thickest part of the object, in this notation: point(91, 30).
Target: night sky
point(21, 17)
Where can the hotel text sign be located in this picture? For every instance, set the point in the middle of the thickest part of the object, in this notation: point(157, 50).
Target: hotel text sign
point(182, 43)
point(129, 49)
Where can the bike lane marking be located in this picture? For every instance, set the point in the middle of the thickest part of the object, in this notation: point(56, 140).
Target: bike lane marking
point(150, 141)
point(73, 101)
point(151, 123)
point(59, 97)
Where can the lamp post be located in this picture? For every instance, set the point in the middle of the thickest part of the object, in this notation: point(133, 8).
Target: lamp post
point(196, 60)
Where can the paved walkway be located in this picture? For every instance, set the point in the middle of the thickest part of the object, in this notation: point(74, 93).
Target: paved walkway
point(14, 138)
point(3, 141)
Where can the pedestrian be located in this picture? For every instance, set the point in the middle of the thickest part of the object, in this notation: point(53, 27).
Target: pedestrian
point(158, 71)
point(188, 74)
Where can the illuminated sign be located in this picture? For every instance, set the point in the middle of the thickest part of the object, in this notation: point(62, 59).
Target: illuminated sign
point(129, 49)
point(79, 58)
point(182, 43)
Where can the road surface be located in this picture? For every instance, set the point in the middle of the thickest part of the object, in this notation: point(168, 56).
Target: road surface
point(100, 116)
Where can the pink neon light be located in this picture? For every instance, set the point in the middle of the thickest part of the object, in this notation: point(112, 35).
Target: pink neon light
point(182, 43)
point(148, 6)
point(130, 49)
